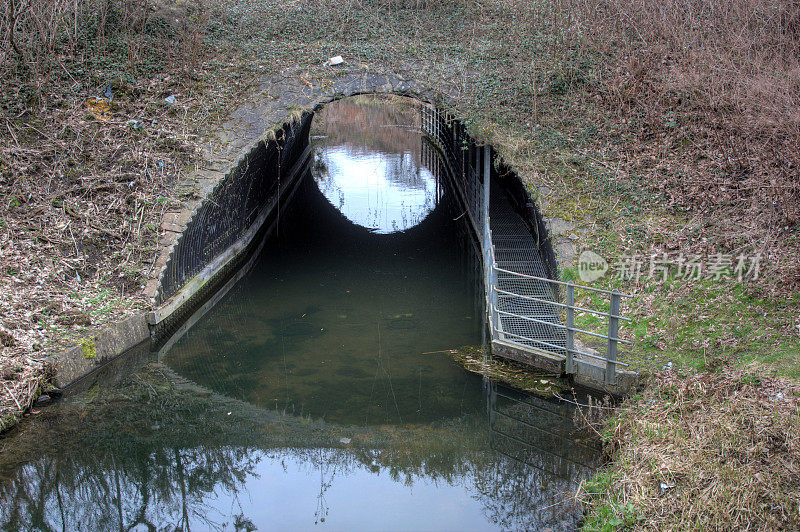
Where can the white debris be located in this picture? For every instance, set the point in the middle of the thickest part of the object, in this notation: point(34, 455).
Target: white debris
point(335, 60)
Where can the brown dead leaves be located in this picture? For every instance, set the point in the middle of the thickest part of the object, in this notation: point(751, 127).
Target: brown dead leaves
point(708, 451)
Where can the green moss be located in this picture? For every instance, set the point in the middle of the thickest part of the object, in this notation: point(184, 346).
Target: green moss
point(508, 372)
point(89, 349)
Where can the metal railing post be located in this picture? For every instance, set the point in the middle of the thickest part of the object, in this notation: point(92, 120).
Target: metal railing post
point(492, 405)
point(570, 365)
point(487, 265)
point(476, 166)
point(487, 180)
point(493, 282)
point(613, 332)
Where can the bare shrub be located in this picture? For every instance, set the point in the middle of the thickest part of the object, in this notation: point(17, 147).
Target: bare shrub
point(712, 87)
point(42, 36)
point(89, 159)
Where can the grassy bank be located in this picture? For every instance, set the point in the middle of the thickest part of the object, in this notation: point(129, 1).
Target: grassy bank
point(706, 451)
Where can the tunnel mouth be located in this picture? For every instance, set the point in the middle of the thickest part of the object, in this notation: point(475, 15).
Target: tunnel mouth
point(316, 365)
point(348, 309)
point(367, 161)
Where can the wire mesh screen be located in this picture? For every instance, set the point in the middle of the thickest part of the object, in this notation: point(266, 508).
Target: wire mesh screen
point(233, 206)
point(463, 163)
point(518, 240)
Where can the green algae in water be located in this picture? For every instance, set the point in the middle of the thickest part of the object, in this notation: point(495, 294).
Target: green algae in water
point(473, 358)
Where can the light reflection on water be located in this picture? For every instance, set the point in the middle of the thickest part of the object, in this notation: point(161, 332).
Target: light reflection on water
point(318, 393)
point(383, 192)
point(368, 165)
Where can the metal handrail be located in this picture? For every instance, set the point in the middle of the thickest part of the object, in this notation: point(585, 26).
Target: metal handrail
point(549, 302)
point(446, 136)
point(560, 348)
point(553, 281)
point(558, 325)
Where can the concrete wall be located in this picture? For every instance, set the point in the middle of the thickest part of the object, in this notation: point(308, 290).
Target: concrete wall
point(221, 234)
point(229, 224)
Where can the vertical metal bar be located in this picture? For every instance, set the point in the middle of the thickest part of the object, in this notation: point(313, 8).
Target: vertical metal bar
point(491, 298)
point(476, 166)
point(487, 180)
point(493, 278)
point(492, 407)
point(613, 331)
point(570, 365)
point(487, 265)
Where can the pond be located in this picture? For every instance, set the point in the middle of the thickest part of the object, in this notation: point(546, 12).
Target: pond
point(319, 392)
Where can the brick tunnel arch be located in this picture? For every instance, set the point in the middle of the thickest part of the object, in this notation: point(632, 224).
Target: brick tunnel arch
point(225, 228)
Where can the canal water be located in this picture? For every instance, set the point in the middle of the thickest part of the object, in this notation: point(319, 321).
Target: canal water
point(320, 391)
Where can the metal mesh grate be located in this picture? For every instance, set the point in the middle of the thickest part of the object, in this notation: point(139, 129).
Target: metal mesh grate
point(517, 250)
point(516, 247)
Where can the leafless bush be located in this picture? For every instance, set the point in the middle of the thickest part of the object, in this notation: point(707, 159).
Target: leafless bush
point(89, 155)
point(47, 35)
point(712, 87)
point(734, 55)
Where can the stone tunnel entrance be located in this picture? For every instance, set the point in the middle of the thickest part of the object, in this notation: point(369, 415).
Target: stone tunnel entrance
point(303, 366)
point(401, 156)
point(367, 278)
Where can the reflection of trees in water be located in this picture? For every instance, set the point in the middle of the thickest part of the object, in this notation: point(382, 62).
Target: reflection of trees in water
point(159, 452)
point(403, 170)
point(173, 486)
point(164, 490)
point(516, 496)
point(412, 188)
point(366, 128)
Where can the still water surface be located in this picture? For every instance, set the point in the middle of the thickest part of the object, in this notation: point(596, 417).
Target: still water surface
point(319, 392)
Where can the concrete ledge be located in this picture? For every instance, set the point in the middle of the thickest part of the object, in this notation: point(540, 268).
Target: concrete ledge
point(99, 349)
point(539, 360)
point(626, 382)
point(589, 374)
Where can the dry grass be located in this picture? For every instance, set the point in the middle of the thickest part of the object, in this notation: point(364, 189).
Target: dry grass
point(714, 89)
point(708, 451)
point(89, 159)
point(696, 101)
